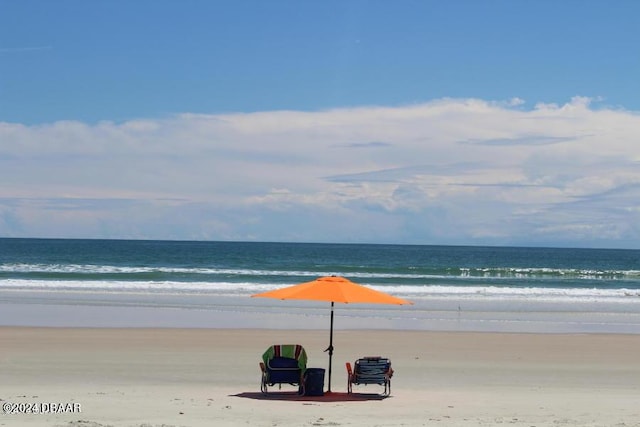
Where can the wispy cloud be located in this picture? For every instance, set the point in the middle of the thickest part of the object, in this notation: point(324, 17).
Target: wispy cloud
point(518, 176)
point(24, 49)
point(524, 140)
point(405, 173)
point(371, 144)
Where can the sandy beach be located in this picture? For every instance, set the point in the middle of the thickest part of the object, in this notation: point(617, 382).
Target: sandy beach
point(143, 377)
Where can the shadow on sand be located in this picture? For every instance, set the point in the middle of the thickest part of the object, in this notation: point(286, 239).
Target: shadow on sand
point(327, 397)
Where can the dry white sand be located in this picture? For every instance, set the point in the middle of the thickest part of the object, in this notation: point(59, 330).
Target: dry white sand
point(210, 377)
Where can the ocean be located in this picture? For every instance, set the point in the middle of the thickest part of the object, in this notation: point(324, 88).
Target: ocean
point(59, 282)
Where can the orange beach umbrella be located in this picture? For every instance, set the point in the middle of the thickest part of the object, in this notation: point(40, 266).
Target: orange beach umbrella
point(332, 289)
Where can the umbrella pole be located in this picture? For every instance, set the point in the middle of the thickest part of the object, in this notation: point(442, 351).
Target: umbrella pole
point(330, 349)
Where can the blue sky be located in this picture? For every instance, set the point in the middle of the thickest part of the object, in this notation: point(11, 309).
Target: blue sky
point(457, 122)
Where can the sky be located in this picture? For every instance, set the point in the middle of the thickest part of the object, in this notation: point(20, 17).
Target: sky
point(411, 122)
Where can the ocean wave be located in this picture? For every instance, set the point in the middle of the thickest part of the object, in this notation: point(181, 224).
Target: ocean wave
point(497, 291)
point(248, 288)
point(496, 273)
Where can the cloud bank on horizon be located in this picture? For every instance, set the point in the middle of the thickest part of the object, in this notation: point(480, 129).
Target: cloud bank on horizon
point(447, 171)
point(427, 122)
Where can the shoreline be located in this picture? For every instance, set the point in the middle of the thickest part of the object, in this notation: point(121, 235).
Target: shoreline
point(68, 309)
point(134, 377)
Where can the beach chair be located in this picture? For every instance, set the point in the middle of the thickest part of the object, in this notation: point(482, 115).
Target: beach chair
point(283, 364)
point(370, 370)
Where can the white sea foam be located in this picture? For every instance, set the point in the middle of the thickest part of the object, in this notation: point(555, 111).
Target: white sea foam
point(110, 269)
point(409, 291)
point(498, 273)
point(497, 292)
point(128, 286)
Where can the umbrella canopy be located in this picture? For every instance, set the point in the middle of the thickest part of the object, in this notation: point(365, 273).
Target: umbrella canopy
point(332, 289)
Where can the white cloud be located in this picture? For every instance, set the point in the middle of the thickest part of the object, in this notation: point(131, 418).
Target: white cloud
point(447, 171)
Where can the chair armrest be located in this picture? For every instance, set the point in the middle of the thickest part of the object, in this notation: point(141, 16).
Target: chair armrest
point(349, 370)
point(262, 367)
